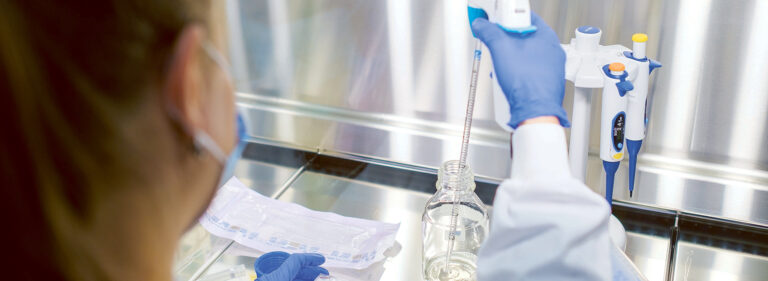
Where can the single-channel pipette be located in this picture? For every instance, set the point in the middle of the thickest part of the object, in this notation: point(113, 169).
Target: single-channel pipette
point(613, 119)
point(637, 104)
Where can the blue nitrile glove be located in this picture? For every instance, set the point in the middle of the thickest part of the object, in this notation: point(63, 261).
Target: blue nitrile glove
point(282, 266)
point(530, 69)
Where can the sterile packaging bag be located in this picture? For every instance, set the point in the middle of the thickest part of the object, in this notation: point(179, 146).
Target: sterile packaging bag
point(266, 224)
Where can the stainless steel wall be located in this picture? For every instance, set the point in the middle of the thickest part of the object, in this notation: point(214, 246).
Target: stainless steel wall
point(411, 58)
point(409, 61)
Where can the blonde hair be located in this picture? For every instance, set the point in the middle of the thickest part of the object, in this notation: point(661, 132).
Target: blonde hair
point(70, 71)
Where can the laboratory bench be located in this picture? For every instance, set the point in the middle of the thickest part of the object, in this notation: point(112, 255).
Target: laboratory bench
point(664, 244)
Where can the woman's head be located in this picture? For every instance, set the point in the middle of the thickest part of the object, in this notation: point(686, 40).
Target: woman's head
point(100, 102)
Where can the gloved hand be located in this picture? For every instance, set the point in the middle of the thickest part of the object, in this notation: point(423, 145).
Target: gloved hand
point(530, 69)
point(297, 267)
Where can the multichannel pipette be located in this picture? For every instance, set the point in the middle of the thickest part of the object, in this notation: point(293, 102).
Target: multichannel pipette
point(637, 105)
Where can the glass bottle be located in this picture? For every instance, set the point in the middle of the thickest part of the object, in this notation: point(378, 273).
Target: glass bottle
point(454, 184)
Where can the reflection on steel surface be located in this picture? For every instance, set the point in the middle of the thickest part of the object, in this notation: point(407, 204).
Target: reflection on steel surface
point(648, 253)
point(697, 262)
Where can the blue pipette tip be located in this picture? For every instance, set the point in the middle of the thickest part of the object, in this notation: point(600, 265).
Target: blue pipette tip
point(610, 173)
point(633, 148)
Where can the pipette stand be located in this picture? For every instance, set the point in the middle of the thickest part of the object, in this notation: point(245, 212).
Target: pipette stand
point(585, 58)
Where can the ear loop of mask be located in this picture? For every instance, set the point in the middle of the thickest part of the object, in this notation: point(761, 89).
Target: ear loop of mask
point(228, 162)
point(204, 140)
point(201, 139)
point(218, 58)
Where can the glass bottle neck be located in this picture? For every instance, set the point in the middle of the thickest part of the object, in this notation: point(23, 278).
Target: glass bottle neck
point(452, 177)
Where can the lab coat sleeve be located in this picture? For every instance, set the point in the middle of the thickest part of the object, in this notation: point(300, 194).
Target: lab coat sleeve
point(546, 225)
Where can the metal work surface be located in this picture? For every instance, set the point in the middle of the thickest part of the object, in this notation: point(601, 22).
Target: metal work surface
point(396, 192)
point(648, 252)
point(696, 262)
point(387, 80)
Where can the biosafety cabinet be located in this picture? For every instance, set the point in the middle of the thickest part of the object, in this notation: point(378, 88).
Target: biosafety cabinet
point(352, 106)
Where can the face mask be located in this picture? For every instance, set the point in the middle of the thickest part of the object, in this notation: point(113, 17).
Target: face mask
point(228, 162)
point(237, 153)
point(204, 141)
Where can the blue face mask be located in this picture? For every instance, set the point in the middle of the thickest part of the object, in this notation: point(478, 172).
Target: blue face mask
point(237, 153)
point(204, 141)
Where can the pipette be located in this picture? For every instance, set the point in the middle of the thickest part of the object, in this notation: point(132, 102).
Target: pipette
point(513, 16)
point(445, 273)
point(637, 104)
point(587, 65)
point(613, 119)
point(470, 104)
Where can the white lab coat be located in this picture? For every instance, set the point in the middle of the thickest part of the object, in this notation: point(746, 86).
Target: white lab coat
point(546, 225)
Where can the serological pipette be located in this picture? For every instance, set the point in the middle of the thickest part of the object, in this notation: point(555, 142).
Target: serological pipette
point(445, 273)
point(513, 16)
point(470, 104)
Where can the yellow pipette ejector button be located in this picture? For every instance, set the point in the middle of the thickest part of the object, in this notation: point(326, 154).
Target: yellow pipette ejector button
point(639, 37)
point(616, 66)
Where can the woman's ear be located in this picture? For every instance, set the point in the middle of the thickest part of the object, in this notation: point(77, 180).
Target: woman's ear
point(183, 84)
